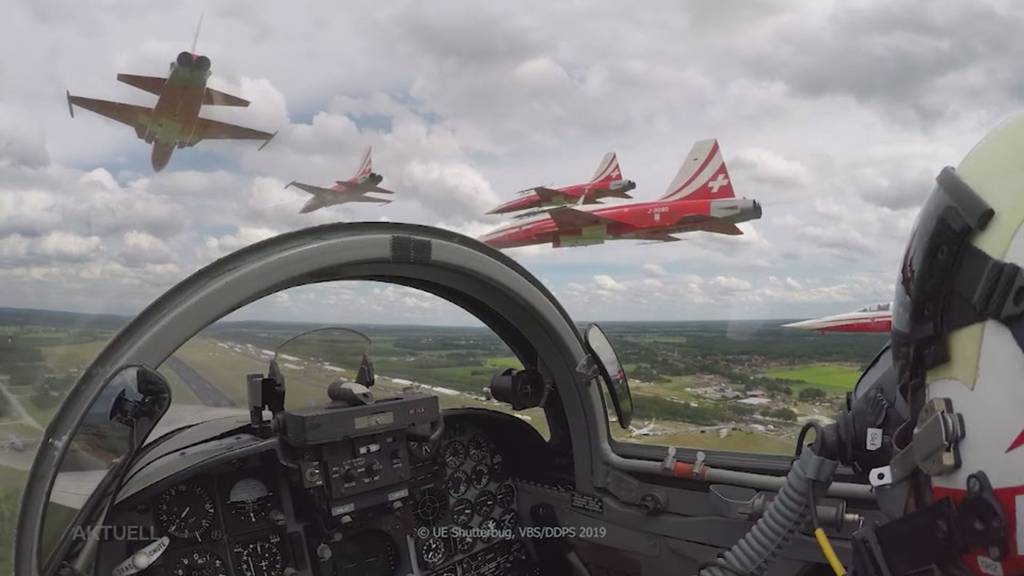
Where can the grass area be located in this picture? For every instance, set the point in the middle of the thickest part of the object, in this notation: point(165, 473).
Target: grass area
point(67, 358)
point(12, 482)
point(832, 378)
point(179, 391)
point(736, 441)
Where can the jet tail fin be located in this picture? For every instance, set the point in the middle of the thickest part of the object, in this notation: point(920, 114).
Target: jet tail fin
point(366, 166)
point(608, 169)
point(703, 175)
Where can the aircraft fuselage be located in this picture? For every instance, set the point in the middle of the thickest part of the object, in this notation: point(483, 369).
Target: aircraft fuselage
point(177, 108)
point(639, 220)
point(590, 192)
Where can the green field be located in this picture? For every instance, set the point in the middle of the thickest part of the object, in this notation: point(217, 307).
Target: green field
point(832, 378)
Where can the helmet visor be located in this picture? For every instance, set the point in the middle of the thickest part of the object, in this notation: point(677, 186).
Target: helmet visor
point(951, 214)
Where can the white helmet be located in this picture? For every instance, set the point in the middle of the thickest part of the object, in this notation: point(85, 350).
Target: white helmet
point(958, 346)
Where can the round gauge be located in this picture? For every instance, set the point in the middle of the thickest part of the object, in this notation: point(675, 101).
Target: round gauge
point(367, 553)
point(484, 503)
point(249, 500)
point(464, 543)
point(260, 557)
point(431, 505)
point(185, 510)
point(421, 450)
point(479, 449)
point(457, 484)
point(488, 530)
point(508, 520)
point(433, 551)
point(506, 495)
point(462, 512)
point(480, 476)
point(199, 562)
point(454, 454)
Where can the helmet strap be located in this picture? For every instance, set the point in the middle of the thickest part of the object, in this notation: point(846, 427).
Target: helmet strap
point(987, 289)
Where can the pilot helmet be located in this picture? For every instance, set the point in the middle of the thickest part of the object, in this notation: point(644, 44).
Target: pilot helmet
point(958, 345)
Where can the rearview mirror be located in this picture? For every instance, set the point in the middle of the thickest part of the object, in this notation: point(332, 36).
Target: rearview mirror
point(612, 372)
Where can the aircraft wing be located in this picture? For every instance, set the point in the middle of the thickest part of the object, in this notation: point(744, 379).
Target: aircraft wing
point(719, 227)
point(135, 116)
point(151, 84)
point(380, 190)
point(315, 190)
point(207, 129)
point(217, 98)
point(566, 217)
point(656, 237)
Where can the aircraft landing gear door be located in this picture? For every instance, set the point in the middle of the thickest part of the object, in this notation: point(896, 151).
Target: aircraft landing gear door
point(612, 372)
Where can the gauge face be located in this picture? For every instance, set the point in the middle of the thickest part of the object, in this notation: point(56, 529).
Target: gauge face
point(462, 512)
point(185, 511)
point(250, 500)
point(458, 483)
point(199, 563)
point(488, 530)
point(433, 551)
point(506, 495)
point(454, 454)
point(508, 520)
point(260, 557)
point(464, 544)
point(481, 476)
point(367, 553)
point(479, 450)
point(431, 506)
point(484, 503)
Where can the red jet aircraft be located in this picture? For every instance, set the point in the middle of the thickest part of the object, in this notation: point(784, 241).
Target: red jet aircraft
point(352, 190)
point(607, 182)
point(875, 319)
point(174, 121)
point(700, 198)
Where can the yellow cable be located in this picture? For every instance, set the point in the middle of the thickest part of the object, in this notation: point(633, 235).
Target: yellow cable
point(830, 554)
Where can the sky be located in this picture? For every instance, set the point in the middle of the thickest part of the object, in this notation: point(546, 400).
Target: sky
point(835, 116)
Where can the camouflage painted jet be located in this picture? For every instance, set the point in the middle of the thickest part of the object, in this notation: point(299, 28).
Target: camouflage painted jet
point(700, 198)
point(607, 182)
point(174, 122)
point(352, 190)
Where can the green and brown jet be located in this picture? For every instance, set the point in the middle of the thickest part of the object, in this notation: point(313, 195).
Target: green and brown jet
point(174, 121)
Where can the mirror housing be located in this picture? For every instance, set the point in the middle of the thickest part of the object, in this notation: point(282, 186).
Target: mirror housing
point(611, 370)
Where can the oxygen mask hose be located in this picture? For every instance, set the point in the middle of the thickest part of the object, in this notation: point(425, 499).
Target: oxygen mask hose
point(785, 515)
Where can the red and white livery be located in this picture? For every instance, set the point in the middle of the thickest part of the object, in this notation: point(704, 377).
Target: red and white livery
point(700, 198)
point(875, 319)
point(352, 190)
point(606, 183)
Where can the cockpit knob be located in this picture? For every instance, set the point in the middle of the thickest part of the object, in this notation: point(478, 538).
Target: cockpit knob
point(324, 552)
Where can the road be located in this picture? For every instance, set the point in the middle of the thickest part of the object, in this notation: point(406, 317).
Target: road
point(15, 404)
point(203, 389)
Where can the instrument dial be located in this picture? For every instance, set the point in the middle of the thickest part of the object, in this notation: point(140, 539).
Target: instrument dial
point(479, 449)
point(433, 551)
point(506, 495)
point(457, 484)
point(464, 543)
point(250, 500)
point(431, 506)
point(484, 503)
point(462, 512)
point(488, 530)
point(454, 454)
point(199, 562)
point(508, 520)
point(185, 511)
point(481, 476)
point(260, 557)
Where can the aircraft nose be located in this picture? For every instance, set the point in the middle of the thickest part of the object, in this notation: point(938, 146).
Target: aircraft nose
point(757, 209)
